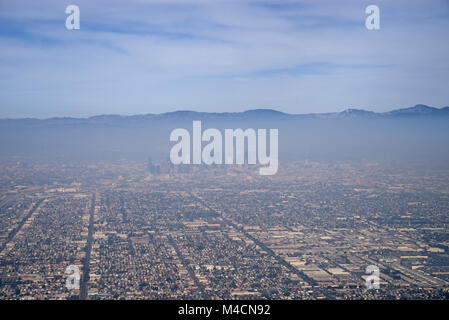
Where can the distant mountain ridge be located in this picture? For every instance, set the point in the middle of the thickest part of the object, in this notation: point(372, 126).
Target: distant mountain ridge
point(416, 111)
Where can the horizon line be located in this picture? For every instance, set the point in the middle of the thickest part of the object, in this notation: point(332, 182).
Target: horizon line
point(225, 112)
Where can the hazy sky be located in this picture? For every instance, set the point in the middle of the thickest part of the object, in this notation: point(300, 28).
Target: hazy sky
point(135, 57)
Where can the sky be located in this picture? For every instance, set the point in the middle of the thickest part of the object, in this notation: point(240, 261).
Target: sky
point(155, 56)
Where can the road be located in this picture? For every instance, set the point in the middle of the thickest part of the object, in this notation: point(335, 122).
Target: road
point(88, 249)
point(12, 234)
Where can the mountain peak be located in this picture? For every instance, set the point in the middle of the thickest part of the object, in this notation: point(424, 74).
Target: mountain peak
point(352, 112)
point(356, 111)
point(264, 112)
point(417, 109)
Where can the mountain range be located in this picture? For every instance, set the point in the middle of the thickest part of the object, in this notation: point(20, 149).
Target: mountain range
point(419, 110)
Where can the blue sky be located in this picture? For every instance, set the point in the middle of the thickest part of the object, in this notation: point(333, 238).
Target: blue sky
point(297, 56)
